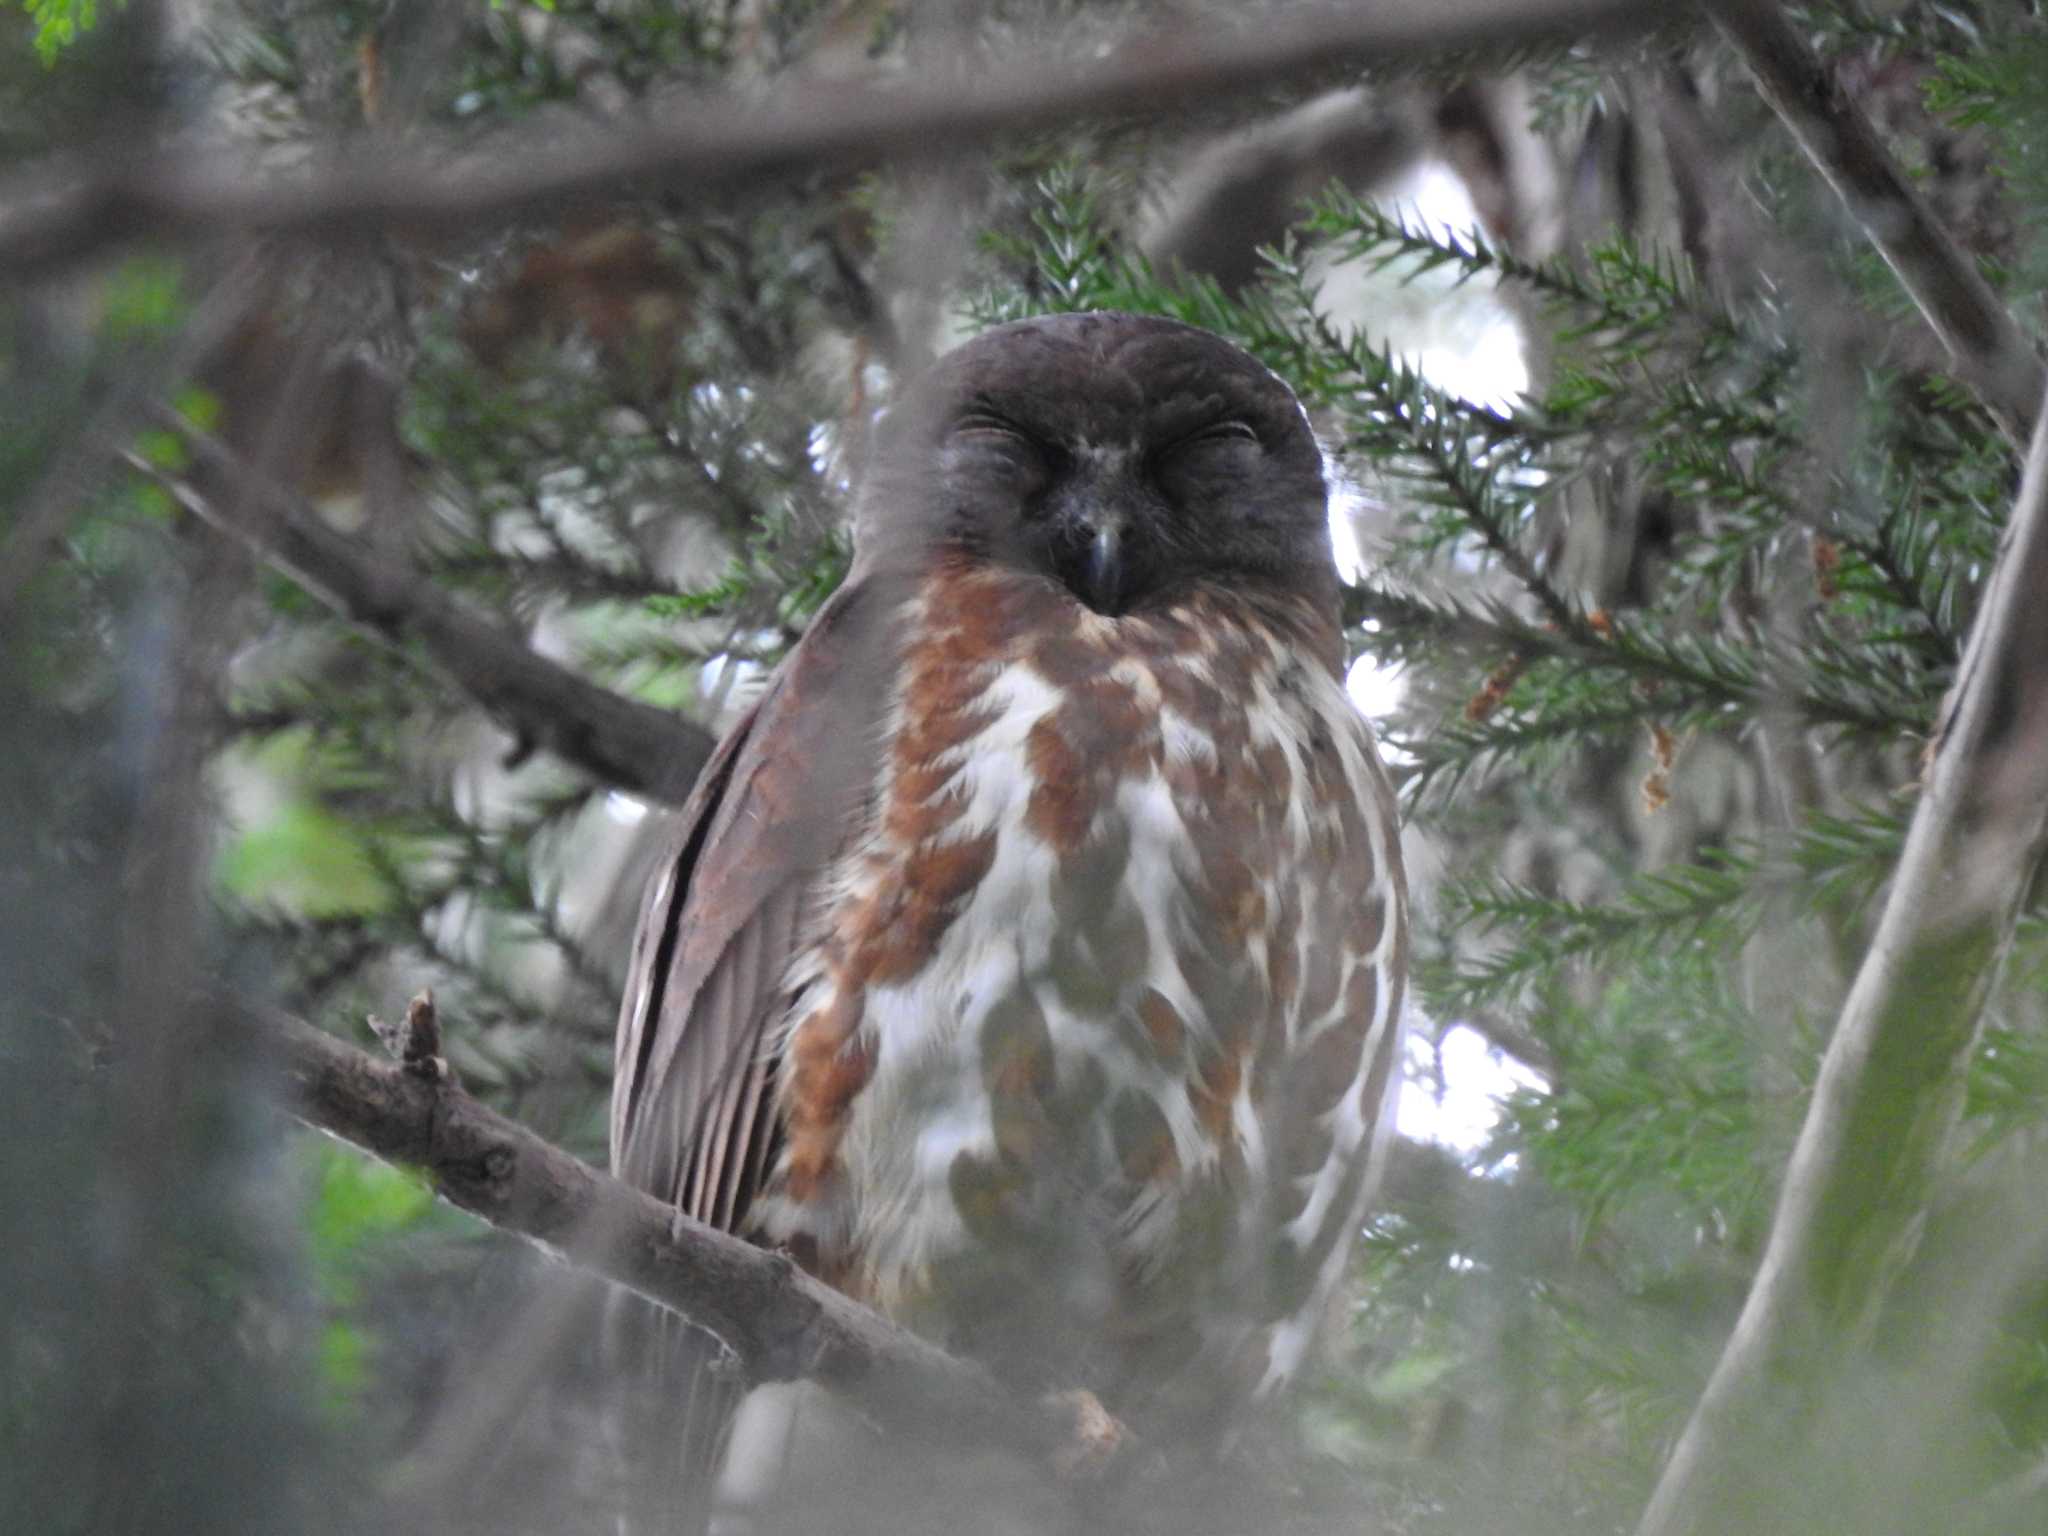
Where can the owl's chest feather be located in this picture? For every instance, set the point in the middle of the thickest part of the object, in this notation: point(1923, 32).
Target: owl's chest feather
point(1119, 883)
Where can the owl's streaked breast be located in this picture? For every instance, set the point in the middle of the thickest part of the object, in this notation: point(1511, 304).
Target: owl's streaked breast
point(1097, 1026)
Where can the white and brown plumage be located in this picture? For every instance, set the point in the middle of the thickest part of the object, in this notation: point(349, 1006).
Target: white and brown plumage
point(1031, 965)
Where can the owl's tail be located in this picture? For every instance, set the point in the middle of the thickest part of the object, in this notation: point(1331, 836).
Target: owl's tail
point(677, 1393)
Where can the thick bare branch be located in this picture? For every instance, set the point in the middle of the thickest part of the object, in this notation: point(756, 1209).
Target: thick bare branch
point(782, 1324)
point(622, 741)
point(1989, 350)
point(1890, 1088)
point(719, 143)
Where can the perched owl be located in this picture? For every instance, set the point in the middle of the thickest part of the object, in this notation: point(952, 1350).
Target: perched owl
point(1030, 964)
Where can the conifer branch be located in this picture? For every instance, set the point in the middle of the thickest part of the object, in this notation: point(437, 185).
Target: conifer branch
point(1672, 907)
point(1395, 414)
point(1900, 554)
point(1830, 682)
point(622, 741)
point(1891, 1087)
point(1627, 300)
point(1450, 751)
point(1989, 349)
point(1833, 861)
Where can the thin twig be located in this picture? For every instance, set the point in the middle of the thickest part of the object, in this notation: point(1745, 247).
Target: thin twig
point(67, 213)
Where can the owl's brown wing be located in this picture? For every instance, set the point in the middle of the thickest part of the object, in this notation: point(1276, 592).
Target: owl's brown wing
point(786, 792)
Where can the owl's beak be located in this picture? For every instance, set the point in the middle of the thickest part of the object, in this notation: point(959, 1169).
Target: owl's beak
point(1102, 568)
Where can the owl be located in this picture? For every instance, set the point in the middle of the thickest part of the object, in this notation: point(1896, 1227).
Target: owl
point(1029, 960)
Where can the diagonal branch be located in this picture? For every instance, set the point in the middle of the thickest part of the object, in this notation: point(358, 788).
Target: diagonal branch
point(1989, 350)
point(782, 1324)
point(632, 745)
point(721, 143)
point(1890, 1089)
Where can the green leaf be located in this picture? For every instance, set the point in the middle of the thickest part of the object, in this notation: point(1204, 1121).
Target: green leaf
point(344, 1366)
point(154, 504)
point(198, 405)
point(165, 449)
point(59, 24)
point(144, 299)
point(357, 1200)
point(307, 860)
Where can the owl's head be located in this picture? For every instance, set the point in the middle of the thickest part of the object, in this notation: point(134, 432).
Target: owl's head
point(1129, 458)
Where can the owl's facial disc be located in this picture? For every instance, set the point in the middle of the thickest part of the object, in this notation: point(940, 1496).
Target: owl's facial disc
point(1127, 458)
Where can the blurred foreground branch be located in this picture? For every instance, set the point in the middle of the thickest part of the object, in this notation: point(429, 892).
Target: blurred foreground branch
point(626, 743)
point(61, 215)
point(782, 1324)
point(1891, 1085)
point(1989, 350)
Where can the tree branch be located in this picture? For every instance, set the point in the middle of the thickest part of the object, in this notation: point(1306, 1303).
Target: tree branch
point(1890, 1088)
point(782, 1324)
point(718, 143)
point(1989, 350)
point(622, 741)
